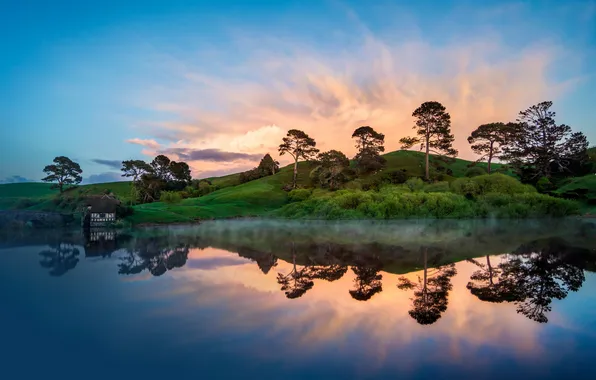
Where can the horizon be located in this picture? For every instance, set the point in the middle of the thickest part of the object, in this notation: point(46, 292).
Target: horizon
point(222, 85)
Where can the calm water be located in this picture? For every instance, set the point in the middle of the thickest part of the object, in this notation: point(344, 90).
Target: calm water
point(248, 299)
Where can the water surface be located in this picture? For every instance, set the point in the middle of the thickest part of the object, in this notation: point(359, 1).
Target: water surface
point(258, 299)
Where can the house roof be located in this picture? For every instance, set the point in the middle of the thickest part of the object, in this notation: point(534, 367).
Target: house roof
point(103, 203)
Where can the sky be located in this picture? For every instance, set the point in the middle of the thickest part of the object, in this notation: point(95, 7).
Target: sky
point(219, 83)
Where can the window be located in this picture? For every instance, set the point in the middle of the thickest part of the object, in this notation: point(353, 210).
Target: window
point(102, 215)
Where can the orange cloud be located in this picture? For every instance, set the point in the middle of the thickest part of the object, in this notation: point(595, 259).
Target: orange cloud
point(378, 83)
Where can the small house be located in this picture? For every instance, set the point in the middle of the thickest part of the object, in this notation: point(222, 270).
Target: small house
point(101, 211)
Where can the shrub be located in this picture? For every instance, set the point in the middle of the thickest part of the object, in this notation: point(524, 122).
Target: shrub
point(122, 211)
point(415, 184)
point(489, 183)
point(544, 185)
point(437, 187)
point(299, 195)
point(475, 171)
point(395, 177)
point(170, 197)
point(25, 203)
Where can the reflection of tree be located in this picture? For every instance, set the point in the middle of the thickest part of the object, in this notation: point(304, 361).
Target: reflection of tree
point(430, 291)
point(151, 255)
point(297, 282)
point(486, 286)
point(264, 260)
point(537, 274)
point(60, 258)
point(368, 279)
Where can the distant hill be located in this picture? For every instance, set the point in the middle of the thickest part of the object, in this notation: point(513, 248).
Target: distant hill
point(257, 197)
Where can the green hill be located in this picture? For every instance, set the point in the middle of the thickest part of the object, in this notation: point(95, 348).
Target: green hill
point(255, 198)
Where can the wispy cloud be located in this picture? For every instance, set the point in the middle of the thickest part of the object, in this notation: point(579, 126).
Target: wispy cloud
point(328, 93)
point(149, 143)
point(114, 164)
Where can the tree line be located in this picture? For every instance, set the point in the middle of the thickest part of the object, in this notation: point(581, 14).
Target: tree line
point(534, 145)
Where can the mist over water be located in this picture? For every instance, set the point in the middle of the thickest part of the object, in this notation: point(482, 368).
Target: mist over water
point(286, 299)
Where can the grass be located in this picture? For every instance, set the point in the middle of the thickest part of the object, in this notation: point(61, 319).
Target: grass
point(261, 197)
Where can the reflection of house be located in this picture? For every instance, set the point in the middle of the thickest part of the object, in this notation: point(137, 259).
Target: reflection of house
point(101, 210)
point(100, 242)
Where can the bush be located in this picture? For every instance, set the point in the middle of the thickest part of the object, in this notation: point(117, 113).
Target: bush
point(544, 185)
point(299, 195)
point(395, 177)
point(415, 184)
point(122, 211)
point(437, 187)
point(489, 183)
point(475, 171)
point(170, 197)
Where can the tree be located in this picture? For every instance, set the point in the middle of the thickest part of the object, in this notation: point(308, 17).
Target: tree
point(134, 169)
point(180, 174)
point(296, 283)
point(538, 272)
point(332, 170)
point(161, 167)
point(536, 146)
point(300, 146)
point(486, 141)
point(433, 127)
point(370, 146)
point(63, 172)
point(485, 284)
point(367, 282)
point(268, 166)
point(430, 291)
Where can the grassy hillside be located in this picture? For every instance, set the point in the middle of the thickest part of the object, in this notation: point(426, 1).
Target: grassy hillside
point(256, 198)
point(39, 196)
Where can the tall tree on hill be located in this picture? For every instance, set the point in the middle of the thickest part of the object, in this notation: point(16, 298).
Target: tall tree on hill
point(180, 173)
point(268, 166)
point(64, 172)
point(539, 146)
point(161, 167)
point(433, 127)
point(370, 146)
point(486, 141)
point(299, 145)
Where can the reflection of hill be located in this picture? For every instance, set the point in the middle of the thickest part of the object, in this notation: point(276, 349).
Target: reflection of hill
point(397, 245)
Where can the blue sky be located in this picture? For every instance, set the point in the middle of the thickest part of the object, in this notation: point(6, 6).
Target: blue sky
point(223, 81)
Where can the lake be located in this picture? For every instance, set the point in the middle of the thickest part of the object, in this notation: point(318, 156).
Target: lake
point(295, 300)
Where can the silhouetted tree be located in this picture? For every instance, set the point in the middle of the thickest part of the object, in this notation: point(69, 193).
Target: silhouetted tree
point(297, 282)
point(60, 258)
point(300, 146)
point(268, 166)
point(155, 255)
point(332, 169)
point(134, 169)
point(433, 127)
point(486, 286)
point(370, 146)
point(430, 291)
point(486, 141)
point(536, 144)
point(539, 272)
point(63, 172)
point(368, 279)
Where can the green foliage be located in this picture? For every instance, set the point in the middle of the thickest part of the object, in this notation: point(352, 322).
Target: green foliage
point(580, 188)
point(299, 195)
point(486, 141)
point(170, 197)
point(489, 183)
point(393, 203)
point(370, 145)
point(437, 187)
point(544, 185)
point(415, 184)
point(475, 171)
point(63, 172)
